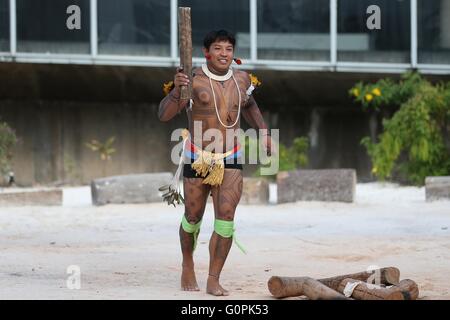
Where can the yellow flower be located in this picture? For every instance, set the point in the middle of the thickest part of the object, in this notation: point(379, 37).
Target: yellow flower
point(376, 92)
point(368, 97)
point(254, 80)
point(374, 170)
point(355, 92)
point(167, 87)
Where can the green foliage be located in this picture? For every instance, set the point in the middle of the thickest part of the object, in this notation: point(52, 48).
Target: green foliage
point(294, 157)
point(415, 133)
point(289, 158)
point(8, 140)
point(386, 92)
point(104, 149)
point(71, 171)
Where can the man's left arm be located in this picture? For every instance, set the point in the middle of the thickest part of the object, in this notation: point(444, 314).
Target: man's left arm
point(254, 118)
point(252, 115)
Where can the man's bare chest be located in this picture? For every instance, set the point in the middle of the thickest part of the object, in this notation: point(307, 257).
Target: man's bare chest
point(223, 95)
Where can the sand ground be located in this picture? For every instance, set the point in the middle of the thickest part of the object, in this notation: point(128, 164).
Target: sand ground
point(132, 251)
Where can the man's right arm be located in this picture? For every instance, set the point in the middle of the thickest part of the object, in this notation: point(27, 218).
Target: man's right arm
point(171, 105)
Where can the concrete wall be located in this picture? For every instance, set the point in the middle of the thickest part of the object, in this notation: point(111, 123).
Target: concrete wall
point(53, 136)
point(56, 109)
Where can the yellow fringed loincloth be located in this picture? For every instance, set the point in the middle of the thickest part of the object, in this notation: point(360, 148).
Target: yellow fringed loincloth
point(210, 165)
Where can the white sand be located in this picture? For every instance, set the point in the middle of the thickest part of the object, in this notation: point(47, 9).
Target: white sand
point(132, 251)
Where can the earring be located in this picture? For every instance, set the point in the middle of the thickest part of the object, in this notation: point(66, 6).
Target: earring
point(207, 56)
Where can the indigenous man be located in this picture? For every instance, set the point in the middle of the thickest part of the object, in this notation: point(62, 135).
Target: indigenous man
point(220, 94)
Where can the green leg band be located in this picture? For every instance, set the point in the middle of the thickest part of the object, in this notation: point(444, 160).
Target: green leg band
point(191, 228)
point(226, 229)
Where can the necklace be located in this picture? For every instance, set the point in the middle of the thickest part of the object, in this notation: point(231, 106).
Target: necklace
point(216, 77)
point(225, 77)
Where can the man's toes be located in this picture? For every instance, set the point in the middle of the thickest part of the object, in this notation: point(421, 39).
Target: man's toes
point(213, 292)
point(190, 288)
point(218, 292)
point(224, 292)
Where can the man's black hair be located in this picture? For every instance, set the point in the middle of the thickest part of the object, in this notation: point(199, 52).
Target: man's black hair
point(220, 35)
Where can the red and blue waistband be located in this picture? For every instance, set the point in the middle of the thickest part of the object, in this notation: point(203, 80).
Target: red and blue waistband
point(191, 151)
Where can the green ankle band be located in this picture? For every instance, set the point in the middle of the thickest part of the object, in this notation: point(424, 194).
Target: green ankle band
point(226, 229)
point(191, 228)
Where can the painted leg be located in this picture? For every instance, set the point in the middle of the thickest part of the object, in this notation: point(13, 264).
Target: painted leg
point(195, 195)
point(226, 198)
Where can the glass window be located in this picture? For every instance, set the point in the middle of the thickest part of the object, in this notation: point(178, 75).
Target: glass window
point(231, 15)
point(294, 30)
point(390, 44)
point(4, 25)
point(433, 25)
point(42, 26)
point(134, 27)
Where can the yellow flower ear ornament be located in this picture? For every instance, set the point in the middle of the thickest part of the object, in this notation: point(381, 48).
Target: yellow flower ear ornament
point(167, 87)
point(254, 84)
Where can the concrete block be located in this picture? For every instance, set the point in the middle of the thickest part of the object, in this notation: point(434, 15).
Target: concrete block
point(134, 188)
point(437, 188)
point(30, 197)
point(316, 185)
point(255, 191)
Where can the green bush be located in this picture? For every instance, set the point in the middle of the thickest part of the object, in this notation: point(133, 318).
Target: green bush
point(8, 140)
point(413, 141)
point(105, 151)
point(294, 157)
point(289, 158)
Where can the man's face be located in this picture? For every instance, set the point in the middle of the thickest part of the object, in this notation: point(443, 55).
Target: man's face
point(221, 53)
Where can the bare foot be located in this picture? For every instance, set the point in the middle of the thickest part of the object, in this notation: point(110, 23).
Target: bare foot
point(213, 287)
point(188, 281)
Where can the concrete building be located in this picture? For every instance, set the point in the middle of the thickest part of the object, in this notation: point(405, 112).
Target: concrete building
point(63, 87)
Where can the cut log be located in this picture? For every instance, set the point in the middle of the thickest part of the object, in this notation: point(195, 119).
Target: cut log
point(365, 291)
point(281, 287)
point(292, 286)
point(405, 290)
point(185, 35)
point(386, 276)
point(409, 289)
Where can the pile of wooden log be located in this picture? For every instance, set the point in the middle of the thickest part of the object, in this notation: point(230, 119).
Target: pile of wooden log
point(378, 284)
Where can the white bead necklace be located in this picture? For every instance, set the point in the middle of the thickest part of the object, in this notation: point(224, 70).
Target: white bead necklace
point(225, 77)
